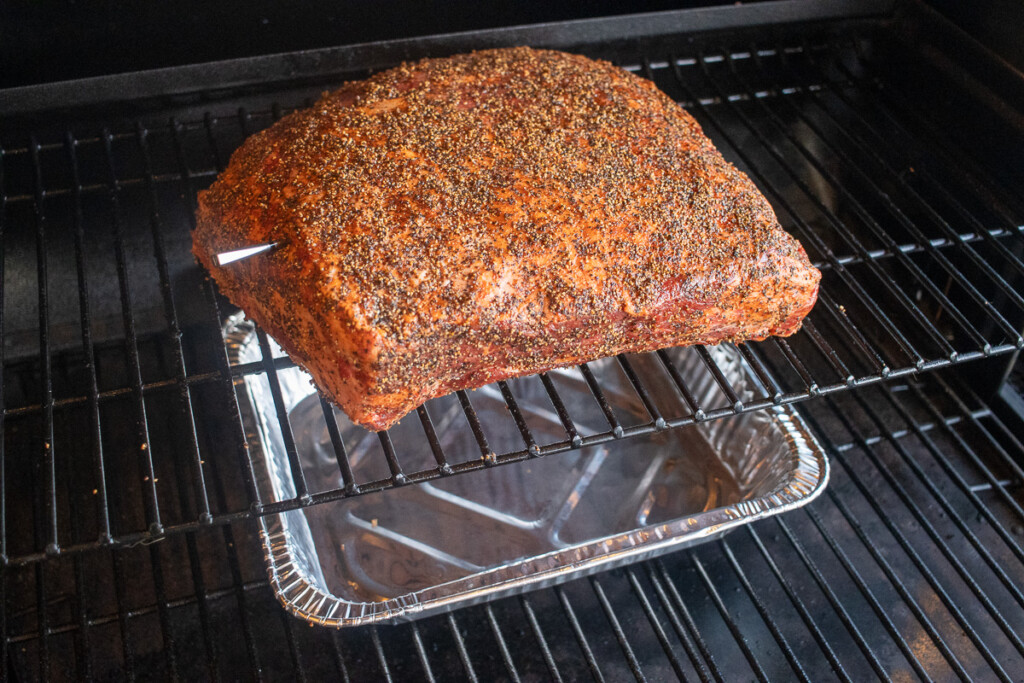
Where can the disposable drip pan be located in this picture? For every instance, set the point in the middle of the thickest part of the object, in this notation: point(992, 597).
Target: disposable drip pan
point(409, 551)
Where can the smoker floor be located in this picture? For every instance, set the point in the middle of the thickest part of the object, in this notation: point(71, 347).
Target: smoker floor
point(908, 564)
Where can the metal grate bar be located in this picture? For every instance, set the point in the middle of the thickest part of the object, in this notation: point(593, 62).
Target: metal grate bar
point(563, 414)
point(798, 365)
point(298, 477)
point(157, 385)
point(691, 401)
point(43, 623)
point(830, 354)
point(203, 601)
point(223, 367)
point(800, 607)
point(244, 118)
point(691, 625)
point(681, 630)
point(379, 650)
point(398, 477)
point(100, 188)
point(161, 603)
point(652, 619)
point(641, 391)
point(517, 417)
point(720, 380)
point(234, 416)
point(5, 664)
point(82, 663)
point(538, 635)
point(421, 652)
point(293, 650)
point(766, 616)
point(741, 641)
point(339, 656)
point(251, 649)
point(209, 121)
point(488, 455)
point(602, 400)
point(52, 541)
point(581, 637)
point(443, 466)
point(506, 656)
point(460, 645)
point(340, 454)
point(85, 317)
point(198, 584)
point(142, 425)
point(127, 644)
point(3, 407)
point(838, 315)
point(620, 635)
point(767, 381)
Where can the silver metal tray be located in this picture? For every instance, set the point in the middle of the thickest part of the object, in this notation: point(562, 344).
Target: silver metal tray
point(408, 551)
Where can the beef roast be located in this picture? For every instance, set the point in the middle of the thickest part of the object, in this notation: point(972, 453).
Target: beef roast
point(453, 222)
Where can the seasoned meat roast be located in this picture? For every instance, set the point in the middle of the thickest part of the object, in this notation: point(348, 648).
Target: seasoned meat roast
point(454, 222)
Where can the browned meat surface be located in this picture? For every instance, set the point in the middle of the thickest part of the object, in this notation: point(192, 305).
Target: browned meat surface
point(457, 221)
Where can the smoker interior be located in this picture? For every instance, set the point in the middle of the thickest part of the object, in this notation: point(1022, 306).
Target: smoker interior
point(127, 521)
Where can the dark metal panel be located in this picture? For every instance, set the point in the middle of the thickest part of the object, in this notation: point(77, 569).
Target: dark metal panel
point(265, 71)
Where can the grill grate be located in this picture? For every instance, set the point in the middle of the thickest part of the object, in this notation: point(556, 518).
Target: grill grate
point(919, 264)
point(908, 562)
point(127, 495)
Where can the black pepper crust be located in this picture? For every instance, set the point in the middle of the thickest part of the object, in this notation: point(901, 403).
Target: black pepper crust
point(455, 221)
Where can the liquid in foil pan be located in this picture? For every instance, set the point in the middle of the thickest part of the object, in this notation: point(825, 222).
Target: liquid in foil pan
point(414, 550)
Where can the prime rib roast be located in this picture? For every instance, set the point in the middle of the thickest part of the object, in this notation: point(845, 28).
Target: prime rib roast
point(453, 222)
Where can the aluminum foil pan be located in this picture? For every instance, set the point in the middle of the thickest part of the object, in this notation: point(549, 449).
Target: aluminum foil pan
point(414, 550)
